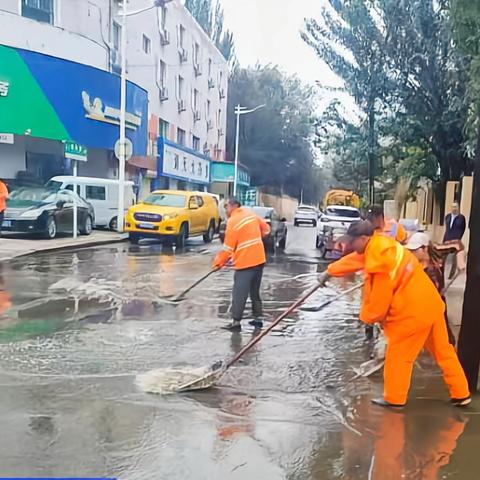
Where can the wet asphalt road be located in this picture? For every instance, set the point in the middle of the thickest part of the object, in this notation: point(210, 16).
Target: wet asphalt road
point(82, 325)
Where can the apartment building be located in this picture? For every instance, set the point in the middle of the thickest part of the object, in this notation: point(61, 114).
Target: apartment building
point(176, 95)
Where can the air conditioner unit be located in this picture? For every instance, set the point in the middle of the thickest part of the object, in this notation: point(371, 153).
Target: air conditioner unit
point(198, 69)
point(116, 61)
point(165, 37)
point(222, 93)
point(209, 124)
point(211, 83)
point(221, 133)
point(163, 94)
point(196, 115)
point(183, 55)
point(182, 106)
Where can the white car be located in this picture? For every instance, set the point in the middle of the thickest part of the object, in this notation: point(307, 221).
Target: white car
point(339, 216)
point(305, 215)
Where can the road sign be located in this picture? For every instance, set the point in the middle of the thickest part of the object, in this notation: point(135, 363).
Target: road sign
point(77, 152)
point(127, 149)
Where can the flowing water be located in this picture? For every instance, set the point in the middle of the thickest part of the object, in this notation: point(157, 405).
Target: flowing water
point(80, 331)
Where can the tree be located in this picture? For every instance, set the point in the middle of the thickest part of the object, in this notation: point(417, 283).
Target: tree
point(275, 141)
point(398, 63)
point(466, 24)
point(210, 17)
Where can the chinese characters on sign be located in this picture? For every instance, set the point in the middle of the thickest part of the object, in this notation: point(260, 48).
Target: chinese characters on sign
point(4, 86)
point(186, 165)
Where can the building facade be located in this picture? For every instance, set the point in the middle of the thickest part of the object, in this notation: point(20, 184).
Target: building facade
point(168, 56)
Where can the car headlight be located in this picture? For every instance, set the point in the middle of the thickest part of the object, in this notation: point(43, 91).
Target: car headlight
point(31, 214)
point(170, 216)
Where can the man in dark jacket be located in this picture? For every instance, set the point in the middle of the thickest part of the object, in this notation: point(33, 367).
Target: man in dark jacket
point(455, 225)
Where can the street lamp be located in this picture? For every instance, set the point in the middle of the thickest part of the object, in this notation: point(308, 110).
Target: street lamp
point(239, 110)
point(123, 106)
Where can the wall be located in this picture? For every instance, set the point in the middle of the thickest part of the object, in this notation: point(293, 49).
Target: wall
point(285, 206)
point(98, 164)
point(12, 159)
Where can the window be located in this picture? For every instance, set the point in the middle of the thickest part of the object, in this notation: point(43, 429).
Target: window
point(163, 73)
point(70, 187)
point(195, 97)
point(163, 20)
point(200, 201)
point(209, 68)
point(147, 45)
point(117, 36)
point(219, 118)
point(181, 37)
point(40, 10)
point(164, 127)
point(181, 87)
point(196, 54)
point(195, 143)
point(209, 109)
point(94, 192)
point(181, 136)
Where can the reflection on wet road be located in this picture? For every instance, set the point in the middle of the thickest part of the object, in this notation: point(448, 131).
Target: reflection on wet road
point(76, 329)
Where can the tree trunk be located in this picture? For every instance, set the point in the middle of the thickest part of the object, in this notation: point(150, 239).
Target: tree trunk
point(469, 339)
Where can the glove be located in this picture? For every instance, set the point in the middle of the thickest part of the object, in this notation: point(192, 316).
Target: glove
point(323, 278)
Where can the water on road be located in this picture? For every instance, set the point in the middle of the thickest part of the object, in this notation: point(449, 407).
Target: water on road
point(77, 329)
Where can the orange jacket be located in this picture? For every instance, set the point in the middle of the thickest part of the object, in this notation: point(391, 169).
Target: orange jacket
point(3, 196)
point(396, 287)
point(243, 240)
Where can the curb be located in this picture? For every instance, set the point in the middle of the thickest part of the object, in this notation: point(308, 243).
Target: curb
point(94, 243)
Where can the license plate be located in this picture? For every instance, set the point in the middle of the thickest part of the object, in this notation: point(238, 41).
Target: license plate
point(146, 226)
point(7, 223)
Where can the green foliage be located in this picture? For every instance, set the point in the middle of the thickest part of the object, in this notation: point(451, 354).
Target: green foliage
point(275, 141)
point(209, 15)
point(398, 62)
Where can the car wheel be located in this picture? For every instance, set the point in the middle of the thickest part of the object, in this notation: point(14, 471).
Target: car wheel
point(208, 237)
point(51, 231)
point(113, 224)
point(87, 226)
point(182, 236)
point(134, 238)
point(314, 223)
point(295, 223)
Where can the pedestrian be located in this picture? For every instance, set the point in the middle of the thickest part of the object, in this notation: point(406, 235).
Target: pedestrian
point(389, 227)
point(244, 246)
point(3, 202)
point(399, 295)
point(455, 224)
point(421, 246)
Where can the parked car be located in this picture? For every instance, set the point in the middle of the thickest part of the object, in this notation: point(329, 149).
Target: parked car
point(278, 228)
point(339, 216)
point(173, 215)
point(306, 214)
point(327, 239)
point(102, 193)
point(44, 211)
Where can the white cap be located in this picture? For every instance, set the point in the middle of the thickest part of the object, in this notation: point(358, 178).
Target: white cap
point(418, 240)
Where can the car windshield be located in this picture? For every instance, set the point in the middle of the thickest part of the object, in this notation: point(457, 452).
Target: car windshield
point(166, 200)
point(262, 212)
point(342, 212)
point(25, 197)
point(306, 209)
point(53, 185)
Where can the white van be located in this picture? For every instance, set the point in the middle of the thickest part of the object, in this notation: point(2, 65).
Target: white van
point(100, 192)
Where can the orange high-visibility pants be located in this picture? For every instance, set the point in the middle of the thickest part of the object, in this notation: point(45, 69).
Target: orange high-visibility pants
point(404, 346)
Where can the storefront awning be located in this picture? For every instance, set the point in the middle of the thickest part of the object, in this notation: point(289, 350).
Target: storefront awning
point(146, 162)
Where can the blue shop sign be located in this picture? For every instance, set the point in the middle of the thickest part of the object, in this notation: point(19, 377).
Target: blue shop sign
point(225, 172)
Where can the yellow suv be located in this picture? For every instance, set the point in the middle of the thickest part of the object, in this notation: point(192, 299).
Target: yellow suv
point(173, 215)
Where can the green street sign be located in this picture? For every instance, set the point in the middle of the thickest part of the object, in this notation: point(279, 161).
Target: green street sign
point(74, 151)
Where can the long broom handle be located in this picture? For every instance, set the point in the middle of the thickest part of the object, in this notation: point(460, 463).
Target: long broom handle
point(287, 312)
point(198, 282)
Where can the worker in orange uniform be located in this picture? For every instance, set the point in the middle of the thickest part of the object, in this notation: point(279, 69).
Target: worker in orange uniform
point(399, 295)
point(3, 202)
point(244, 246)
point(389, 227)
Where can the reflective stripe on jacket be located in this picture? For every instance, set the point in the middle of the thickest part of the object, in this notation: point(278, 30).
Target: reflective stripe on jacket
point(243, 240)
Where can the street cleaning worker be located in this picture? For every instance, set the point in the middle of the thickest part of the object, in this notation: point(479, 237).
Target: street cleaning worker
point(421, 246)
point(389, 227)
point(244, 246)
point(400, 296)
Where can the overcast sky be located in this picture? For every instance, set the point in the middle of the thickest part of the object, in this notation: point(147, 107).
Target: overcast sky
point(267, 31)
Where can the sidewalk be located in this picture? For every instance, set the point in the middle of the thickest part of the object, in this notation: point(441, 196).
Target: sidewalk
point(13, 246)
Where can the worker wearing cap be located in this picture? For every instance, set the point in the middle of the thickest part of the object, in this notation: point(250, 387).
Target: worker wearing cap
point(399, 295)
point(390, 227)
point(244, 246)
